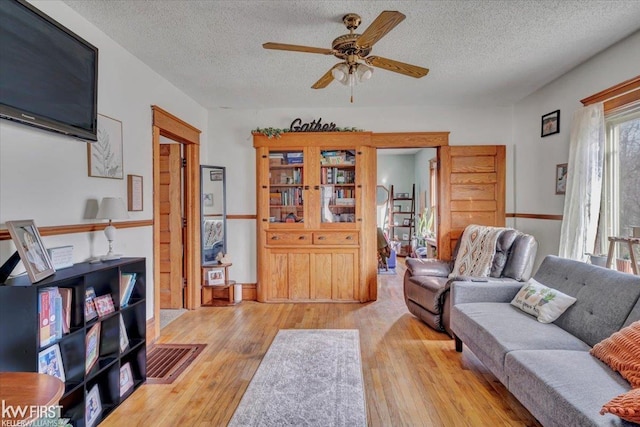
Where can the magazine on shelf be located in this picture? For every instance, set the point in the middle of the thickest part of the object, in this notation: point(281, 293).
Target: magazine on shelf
point(124, 339)
point(92, 346)
point(126, 379)
point(104, 305)
point(127, 283)
point(89, 306)
point(50, 362)
point(93, 406)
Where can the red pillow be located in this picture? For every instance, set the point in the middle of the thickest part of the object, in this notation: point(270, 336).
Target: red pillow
point(625, 406)
point(621, 351)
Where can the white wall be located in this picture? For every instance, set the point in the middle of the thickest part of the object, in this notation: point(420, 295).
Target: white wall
point(535, 158)
point(230, 144)
point(43, 175)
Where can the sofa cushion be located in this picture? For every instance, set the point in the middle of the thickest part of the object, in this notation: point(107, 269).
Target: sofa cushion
point(521, 258)
point(564, 387)
point(621, 351)
point(491, 330)
point(503, 249)
point(604, 297)
point(626, 406)
point(546, 304)
point(426, 291)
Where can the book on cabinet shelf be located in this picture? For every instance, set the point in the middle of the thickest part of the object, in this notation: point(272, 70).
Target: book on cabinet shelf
point(50, 313)
point(90, 312)
point(127, 283)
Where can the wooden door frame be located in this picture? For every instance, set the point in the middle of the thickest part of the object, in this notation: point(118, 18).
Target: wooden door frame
point(167, 125)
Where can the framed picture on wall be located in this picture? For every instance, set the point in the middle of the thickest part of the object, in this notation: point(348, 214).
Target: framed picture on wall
point(550, 123)
point(105, 155)
point(561, 178)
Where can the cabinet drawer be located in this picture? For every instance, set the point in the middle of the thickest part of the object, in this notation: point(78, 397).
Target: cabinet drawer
point(335, 238)
point(288, 238)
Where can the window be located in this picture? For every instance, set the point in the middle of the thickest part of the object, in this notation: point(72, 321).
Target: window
point(621, 180)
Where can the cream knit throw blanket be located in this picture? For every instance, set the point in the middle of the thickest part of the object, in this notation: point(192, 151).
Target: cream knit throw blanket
point(477, 249)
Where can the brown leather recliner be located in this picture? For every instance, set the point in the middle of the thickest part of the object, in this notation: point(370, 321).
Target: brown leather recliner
point(427, 282)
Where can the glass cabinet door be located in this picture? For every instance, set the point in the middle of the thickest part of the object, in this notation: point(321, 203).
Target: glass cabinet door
point(286, 184)
point(337, 186)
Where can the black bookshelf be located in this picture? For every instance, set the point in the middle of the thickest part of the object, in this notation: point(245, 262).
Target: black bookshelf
point(20, 341)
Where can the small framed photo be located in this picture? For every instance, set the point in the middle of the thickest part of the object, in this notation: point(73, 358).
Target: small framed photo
point(32, 252)
point(134, 193)
point(50, 362)
point(93, 406)
point(405, 236)
point(406, 222)
point(397, 208)
point(126, 379)
point(402, 196)
point(216, 175)
point(207, 199)
point(215, 276)
point(550, 123)
point(561, 178)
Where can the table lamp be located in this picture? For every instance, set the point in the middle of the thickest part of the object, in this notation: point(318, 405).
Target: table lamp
point(111, 208)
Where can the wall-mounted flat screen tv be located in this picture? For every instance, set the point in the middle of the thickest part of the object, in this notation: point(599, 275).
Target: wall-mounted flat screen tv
point(48, 75)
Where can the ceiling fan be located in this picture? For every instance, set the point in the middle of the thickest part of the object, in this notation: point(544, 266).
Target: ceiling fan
point(353, 49)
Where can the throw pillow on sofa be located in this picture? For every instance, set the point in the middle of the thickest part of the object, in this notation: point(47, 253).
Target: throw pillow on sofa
point(545, 303)
point(625, 406)
point(621, 351)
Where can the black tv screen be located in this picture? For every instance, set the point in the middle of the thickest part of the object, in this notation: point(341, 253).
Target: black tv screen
point(48, 75)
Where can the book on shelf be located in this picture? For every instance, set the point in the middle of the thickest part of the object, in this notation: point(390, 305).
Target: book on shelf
point(50, 315)
point(93, 406)
point(104, 305)
point(50, 362)
point(92, 346)
point(124, 339)
point(126, 379)
point(89, 306)
point(127, 283)
point(66, 294)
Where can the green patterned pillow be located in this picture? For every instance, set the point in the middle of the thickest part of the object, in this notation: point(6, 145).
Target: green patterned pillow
point(545, 303)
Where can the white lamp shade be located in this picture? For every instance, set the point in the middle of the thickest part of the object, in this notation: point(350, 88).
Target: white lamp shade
point(364, 72)
point(341, 73)
point(112, 208)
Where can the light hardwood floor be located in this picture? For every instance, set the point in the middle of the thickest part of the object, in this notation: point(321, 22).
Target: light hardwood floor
point(413, 375)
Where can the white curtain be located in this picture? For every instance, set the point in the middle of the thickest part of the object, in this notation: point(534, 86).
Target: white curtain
point(584, 183)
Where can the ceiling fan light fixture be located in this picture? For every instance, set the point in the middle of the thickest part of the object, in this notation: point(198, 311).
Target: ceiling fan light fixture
point(364, 72)
point(341, 73)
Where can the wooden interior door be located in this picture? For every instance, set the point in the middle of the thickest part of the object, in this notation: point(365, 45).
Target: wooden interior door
point(471, 189)
point(171, 264)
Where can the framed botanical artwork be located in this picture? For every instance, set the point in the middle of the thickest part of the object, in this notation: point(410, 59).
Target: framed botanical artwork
point(134, 193)
point(550, 123)
point(32, 252)
point(105, 155)
point(215, 276)
point(561, 178)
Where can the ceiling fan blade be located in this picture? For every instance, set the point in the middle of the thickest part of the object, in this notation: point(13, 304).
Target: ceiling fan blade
point(325, 79)
point(384, 23)
point(297, 48)
point(397, 67)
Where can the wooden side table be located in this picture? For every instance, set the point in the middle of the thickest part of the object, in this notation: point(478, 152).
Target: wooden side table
point(215, 289)
point(630, 241)
point(28, 389)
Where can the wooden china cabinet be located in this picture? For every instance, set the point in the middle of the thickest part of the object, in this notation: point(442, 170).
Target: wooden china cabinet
point(316, 217)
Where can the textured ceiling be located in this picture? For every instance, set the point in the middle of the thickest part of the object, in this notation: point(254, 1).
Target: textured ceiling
point(484, 52)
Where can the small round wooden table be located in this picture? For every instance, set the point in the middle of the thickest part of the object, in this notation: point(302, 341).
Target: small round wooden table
point(27, 389)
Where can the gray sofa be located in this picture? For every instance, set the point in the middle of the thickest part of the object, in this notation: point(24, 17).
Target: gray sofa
point(547, 367)
point(427, 282)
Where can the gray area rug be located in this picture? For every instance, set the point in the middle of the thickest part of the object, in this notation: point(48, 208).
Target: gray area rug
point(169, 315)
point(308, 377)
